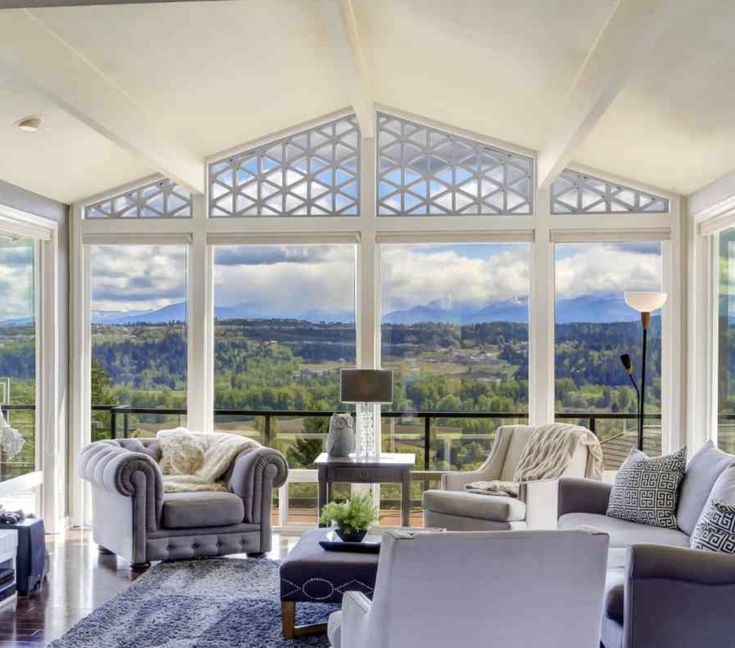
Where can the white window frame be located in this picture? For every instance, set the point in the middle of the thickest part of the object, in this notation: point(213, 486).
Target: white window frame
point(368, 228)
point(49, 478)
point(702, 315)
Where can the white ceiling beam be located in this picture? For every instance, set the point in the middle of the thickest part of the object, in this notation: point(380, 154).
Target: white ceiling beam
point(350, 57)
point(631, 31)
point(38, 4)
point(53, 67)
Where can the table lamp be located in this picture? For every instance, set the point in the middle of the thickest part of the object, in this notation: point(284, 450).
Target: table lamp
point(365, 388)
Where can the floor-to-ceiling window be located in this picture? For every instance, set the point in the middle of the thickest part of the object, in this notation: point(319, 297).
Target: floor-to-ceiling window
point(284, 327)
point(454, 330)
point(726, 341)
point(594, 326)
point(18, 322)
point(138, 335)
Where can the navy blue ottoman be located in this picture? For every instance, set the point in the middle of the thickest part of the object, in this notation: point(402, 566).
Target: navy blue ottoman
point(311, 574)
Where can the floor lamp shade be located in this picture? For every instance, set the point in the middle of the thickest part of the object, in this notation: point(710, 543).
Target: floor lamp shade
point(366, 386)
point(645, 302)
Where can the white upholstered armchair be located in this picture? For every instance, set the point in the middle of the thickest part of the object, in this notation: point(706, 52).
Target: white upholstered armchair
point(455, 509)
point(497, 589)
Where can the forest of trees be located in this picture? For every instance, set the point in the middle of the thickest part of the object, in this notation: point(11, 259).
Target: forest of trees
point(292, 365)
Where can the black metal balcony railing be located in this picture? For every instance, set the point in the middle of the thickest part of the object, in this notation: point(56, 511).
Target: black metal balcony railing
point(120, 415)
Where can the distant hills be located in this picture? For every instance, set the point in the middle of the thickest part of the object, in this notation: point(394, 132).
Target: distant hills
point(596, 308)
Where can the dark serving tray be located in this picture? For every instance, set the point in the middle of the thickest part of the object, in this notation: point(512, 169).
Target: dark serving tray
point(332, 542)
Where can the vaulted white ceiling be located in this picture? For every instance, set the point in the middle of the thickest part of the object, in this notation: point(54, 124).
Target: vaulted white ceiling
point(195, 78)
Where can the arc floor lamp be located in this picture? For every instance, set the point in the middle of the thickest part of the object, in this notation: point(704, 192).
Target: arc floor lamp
point(645, 303)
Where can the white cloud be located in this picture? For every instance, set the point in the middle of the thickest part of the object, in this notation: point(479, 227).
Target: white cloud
point(284, 280)
point(137, 277)
point(17, 298)
point(298, 280)
point(414, 276)
point(603, 267)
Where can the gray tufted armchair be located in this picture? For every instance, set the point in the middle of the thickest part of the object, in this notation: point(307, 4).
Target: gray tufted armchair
point(134, 518)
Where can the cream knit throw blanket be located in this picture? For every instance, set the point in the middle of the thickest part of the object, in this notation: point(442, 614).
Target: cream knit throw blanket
point(546, 456)
point(195, 461)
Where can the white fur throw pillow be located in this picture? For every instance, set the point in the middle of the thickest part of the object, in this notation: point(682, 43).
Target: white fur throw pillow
point(181, 452)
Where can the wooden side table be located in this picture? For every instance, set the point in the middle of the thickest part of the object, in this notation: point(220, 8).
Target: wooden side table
point(385, 468)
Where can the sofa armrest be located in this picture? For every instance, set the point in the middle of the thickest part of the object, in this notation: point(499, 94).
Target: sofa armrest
point(541, 503)
point(582, 496)
point(455, 481)
point(681, 564)
point(355, 610)
point(109, 466)
point(255, 473)
point(678, 597)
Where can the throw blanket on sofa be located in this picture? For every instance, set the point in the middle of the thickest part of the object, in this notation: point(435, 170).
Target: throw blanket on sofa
point(546, 456)
point(195, 461)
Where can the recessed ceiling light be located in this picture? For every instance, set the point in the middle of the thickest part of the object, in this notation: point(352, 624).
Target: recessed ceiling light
point(29, 124)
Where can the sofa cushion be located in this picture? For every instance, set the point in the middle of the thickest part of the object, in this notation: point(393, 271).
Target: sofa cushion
point(482, 507)
point(701, 474)
point(624, 533)
point(715, 530)
point(201, 509)
point(646, 489)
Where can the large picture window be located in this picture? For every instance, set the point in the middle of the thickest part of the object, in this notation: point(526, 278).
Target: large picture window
point(139, 345)
point(284, 327)
point(18, 317)
point(455, 332)
point(594, 326)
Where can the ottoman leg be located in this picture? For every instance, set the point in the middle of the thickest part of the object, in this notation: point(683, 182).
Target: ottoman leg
point(288, 618)
point(289, 627)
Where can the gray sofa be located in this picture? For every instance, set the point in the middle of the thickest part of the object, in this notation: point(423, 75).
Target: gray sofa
point(134, 518)
point(659, 592)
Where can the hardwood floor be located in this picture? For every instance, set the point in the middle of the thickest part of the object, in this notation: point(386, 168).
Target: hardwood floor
point(80, 579)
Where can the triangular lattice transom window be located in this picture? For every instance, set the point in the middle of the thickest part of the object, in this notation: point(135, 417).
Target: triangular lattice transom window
point(313, 173)
point(430, 172)
point(579, 193)
point(160, 199)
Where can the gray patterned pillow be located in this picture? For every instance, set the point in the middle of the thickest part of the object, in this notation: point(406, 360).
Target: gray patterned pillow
point(646, 489)
point(715, 530)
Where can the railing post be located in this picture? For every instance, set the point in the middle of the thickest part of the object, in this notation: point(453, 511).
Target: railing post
point(593, 425)
point(427, 442)
point(126, 430)
point(113, 423)
point(267, 432)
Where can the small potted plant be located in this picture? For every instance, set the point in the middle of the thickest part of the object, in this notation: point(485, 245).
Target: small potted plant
point(352, 519)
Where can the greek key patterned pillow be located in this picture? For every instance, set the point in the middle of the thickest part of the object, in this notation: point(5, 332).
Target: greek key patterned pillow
point(715, 530)
point(646, 489)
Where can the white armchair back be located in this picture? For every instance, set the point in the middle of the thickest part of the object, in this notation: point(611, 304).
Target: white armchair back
point(504, 589)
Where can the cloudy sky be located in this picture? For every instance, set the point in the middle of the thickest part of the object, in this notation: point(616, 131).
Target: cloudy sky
point(16, 279)
point(285, 280)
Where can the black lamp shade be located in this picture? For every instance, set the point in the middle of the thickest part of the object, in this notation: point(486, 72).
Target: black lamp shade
point(366, 386)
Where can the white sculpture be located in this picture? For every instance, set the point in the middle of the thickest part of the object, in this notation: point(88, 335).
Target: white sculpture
point(11, 442)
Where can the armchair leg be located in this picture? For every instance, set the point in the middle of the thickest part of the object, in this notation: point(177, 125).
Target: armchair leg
point(104, 551)
point(256, 554)
point(139, 567)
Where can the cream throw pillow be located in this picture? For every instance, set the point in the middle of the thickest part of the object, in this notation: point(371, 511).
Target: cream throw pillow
point(181, 452)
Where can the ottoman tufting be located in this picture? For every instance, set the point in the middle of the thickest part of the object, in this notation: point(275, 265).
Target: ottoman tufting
point(311, 574)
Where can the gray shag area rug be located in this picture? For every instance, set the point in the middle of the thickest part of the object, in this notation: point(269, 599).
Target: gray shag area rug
point(213, 603)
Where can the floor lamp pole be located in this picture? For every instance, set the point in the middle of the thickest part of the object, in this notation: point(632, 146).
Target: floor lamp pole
point(645, 321)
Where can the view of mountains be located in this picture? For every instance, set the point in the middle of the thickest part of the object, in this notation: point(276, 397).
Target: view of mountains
point(594, 308)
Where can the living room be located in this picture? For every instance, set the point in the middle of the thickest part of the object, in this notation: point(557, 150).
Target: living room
point(365, 323)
